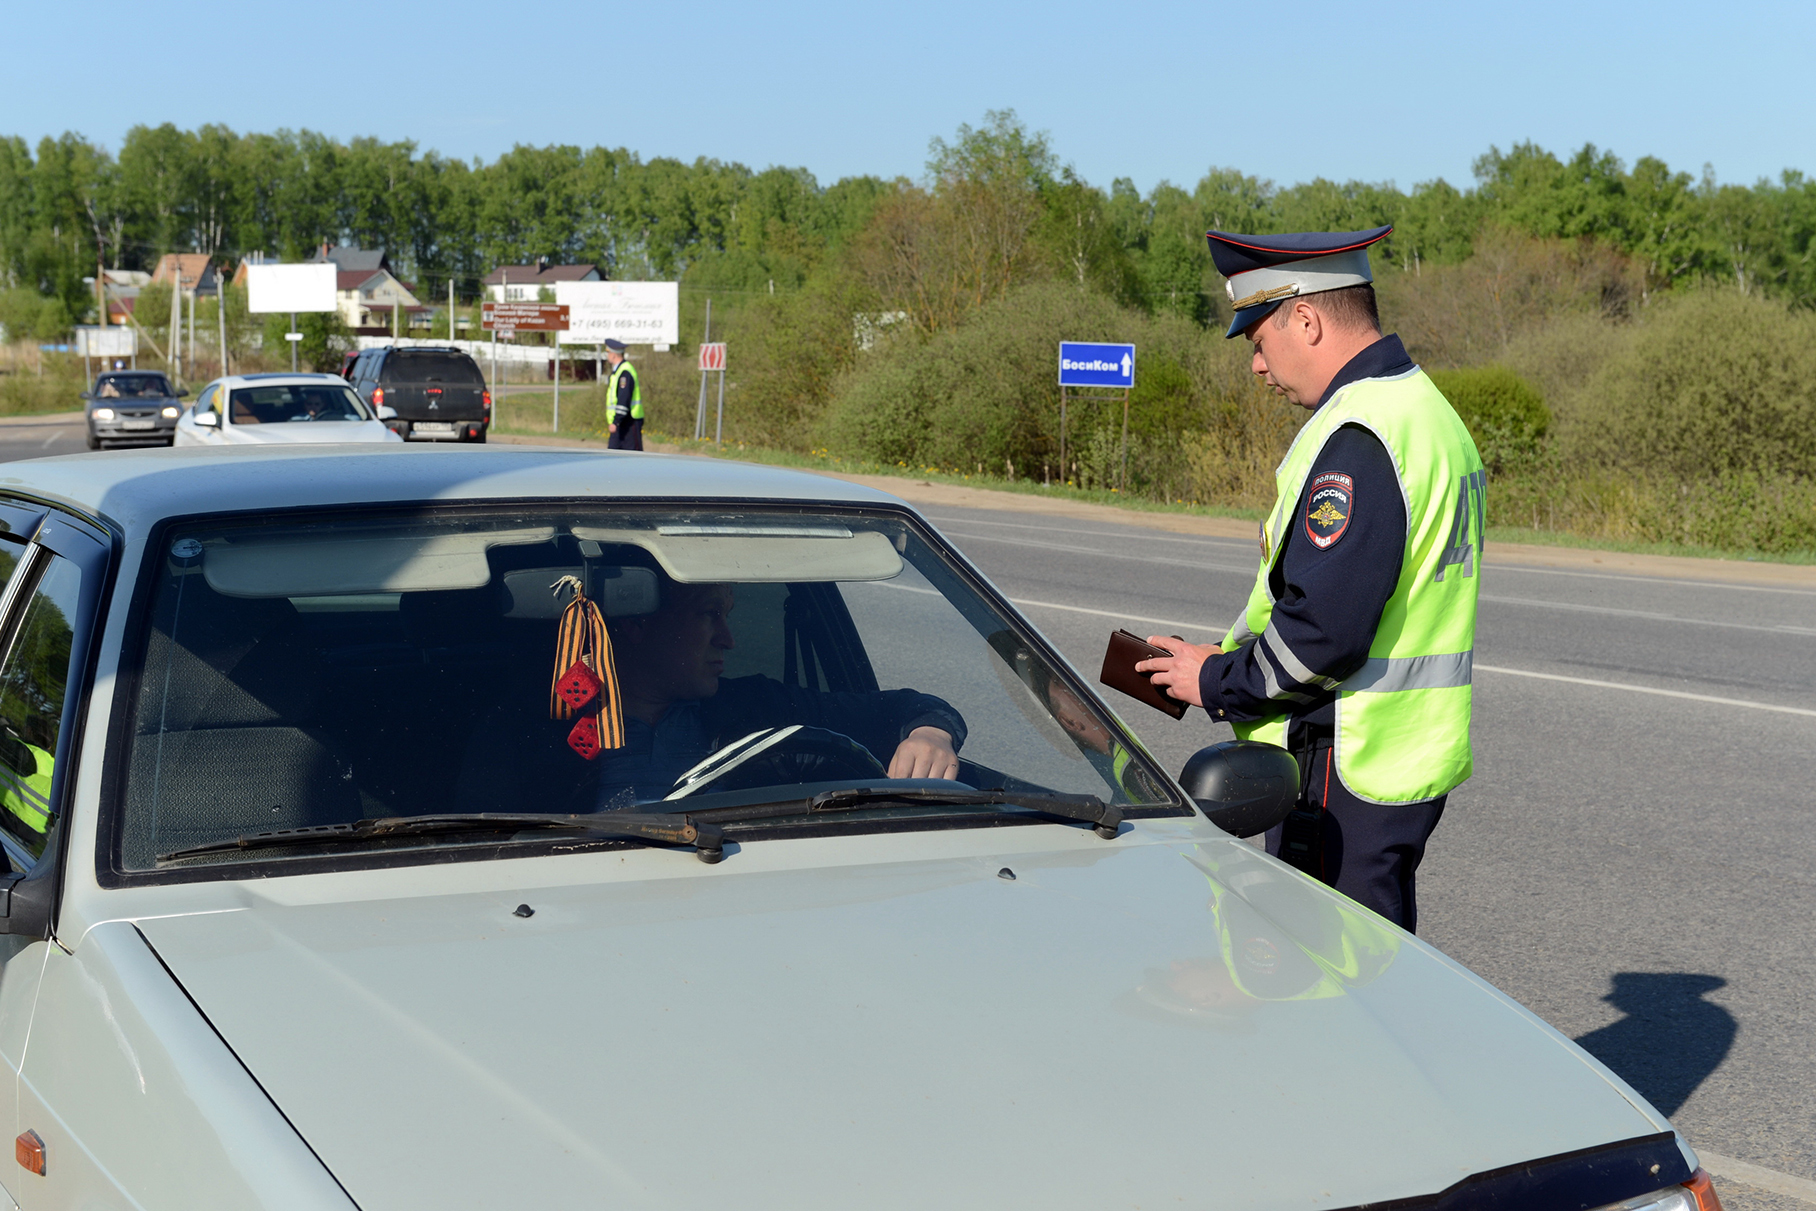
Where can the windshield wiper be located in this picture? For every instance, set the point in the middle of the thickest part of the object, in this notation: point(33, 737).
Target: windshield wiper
point(671, 827)
point(1105, 818)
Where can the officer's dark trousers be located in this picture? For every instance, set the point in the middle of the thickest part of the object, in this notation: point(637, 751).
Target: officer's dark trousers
point(628, 436)
point(1367, 851)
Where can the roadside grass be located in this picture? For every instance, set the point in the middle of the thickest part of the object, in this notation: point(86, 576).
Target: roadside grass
point(527, 414)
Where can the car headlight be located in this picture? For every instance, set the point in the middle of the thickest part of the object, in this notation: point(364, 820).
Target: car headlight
point(104, 413)
point(1697, 1194)
point(170, 413)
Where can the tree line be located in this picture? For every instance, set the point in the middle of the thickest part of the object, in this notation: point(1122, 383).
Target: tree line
point(995, 207)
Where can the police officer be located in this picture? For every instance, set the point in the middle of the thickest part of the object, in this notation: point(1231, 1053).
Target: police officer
point(1355, 648)
point(625, 391)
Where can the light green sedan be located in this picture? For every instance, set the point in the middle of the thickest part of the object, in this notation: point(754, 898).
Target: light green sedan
point(416, 828)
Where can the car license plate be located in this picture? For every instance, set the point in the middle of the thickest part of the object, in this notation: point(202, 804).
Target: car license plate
point(432, 426)
point(139, 424)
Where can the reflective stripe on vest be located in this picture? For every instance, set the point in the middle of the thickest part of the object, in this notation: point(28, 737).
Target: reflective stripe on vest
point(611, 386)
point(1403, 717)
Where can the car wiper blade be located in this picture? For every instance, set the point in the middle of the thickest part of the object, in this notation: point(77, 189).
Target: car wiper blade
point(1105, 818)
point(673, 828)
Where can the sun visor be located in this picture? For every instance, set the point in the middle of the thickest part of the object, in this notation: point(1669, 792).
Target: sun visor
point(321, 567)
point(719, 554)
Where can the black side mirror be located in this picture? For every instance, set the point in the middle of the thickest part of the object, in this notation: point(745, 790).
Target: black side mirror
point(183, 394)
point(88, 395)
point(1244, 786)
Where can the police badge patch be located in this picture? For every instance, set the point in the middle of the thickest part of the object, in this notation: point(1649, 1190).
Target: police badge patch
point(1328, 507)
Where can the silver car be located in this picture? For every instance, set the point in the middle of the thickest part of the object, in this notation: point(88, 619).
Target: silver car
point(404, 828)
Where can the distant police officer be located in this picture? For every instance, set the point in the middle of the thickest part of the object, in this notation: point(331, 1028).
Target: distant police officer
point(1355, 648)
point(625, 391)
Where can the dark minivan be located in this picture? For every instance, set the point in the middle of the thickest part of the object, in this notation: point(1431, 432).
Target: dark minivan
point(439, 394)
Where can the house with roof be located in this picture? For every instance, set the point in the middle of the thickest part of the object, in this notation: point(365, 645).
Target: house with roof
point(194, 273)
point(122, 289)
point(525, 283)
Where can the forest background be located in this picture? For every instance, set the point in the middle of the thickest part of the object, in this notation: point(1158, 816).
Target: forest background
point(1634, 347)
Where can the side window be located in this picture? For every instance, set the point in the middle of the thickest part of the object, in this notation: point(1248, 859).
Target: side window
point(206, 402)
point(33, 686)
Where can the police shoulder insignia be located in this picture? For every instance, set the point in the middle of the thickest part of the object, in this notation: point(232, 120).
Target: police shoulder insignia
point(1328, 507)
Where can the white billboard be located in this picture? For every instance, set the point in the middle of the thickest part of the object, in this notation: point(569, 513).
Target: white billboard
point(637, 313)
point(107, 342)
point(290, 287)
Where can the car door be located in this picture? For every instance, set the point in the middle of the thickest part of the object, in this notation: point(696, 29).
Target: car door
point(207, 404)
point(47, 613)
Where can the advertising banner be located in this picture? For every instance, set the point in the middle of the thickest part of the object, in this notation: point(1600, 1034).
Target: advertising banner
point(107, 342)
point(285, 288)
point(637, 313)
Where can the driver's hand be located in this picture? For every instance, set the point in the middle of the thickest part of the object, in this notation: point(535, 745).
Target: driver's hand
point(926, 753)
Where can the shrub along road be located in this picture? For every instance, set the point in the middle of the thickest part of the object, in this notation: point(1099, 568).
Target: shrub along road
point(1633, 858)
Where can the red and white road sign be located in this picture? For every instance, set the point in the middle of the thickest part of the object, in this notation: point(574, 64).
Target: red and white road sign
point(712, 357)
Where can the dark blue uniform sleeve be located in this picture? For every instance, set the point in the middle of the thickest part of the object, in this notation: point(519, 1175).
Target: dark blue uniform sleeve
point(1339, 566)
point(878, 720)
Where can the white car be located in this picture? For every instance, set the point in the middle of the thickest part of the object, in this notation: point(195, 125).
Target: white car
point(265, 408)
point(405, 829)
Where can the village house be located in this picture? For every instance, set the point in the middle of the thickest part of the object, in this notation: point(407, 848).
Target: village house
point(525, 283)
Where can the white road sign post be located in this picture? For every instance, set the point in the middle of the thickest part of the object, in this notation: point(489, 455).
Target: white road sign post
point(1105, 369)
point(291, 288)
point(712, 357)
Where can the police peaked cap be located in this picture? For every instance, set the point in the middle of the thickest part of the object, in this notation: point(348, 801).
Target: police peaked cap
point(1266, 270)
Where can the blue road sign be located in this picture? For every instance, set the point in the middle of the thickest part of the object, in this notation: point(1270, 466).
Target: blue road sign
point(1086, 365)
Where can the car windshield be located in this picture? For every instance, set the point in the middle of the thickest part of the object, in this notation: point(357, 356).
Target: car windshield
point(300, 673)
point(131, 386)
point(431, 368)
point(293, 402)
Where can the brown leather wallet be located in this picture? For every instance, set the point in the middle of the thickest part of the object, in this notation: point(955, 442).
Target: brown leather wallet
point(1119, 672)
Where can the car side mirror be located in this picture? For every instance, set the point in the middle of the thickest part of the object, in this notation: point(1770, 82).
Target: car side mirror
point(387, 412)
point(207, 419)
point(1244, 786)
point(88, 395)
point(183, 394)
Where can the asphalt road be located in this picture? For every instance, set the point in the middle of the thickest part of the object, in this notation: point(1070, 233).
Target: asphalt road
point(1633, 860)
point(1637, 868)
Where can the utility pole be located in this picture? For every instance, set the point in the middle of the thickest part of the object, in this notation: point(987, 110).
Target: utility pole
point(190, 361)
point(450, 309)
point(700, 412)
point(176, 320)
point(220, 310)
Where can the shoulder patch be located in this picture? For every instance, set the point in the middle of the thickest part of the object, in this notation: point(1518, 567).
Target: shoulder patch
point(1328, 507)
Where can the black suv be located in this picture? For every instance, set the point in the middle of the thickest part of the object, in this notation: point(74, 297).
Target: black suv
point(438, 394)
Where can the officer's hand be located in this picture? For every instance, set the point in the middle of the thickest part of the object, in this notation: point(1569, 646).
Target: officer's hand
point(926, 753)
point(1178, 674)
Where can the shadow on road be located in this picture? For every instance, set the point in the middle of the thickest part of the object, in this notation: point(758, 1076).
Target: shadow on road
point(1670, 1040)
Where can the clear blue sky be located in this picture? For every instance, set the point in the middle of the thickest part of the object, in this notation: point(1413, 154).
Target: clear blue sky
point(1393, 91)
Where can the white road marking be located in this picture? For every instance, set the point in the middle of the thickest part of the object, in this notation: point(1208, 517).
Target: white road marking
point(50, 441)
point(1159, 622)
point(1206, 628)
point(1800, 1188)
point(1646, 689)
point(1693, 584)
point(1781, 629)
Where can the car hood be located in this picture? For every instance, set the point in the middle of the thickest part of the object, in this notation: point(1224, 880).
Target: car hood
point(1133, 1024)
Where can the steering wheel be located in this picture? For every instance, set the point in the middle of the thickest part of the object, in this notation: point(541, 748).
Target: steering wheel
point(785, 756)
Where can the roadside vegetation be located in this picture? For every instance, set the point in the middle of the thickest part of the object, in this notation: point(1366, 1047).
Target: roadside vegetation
point(1631, 346)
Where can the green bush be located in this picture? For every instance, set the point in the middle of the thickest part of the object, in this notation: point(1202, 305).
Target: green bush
point(985, 394)
point(1504, 413)
point(1711, 385)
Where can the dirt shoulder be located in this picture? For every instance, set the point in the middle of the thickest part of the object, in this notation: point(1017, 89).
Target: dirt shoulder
point(1577, 559)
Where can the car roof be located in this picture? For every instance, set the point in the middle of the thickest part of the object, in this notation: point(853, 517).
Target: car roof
point(135, 489)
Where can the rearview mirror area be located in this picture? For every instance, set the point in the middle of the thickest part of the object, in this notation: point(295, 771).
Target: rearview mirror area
point(1243, 786)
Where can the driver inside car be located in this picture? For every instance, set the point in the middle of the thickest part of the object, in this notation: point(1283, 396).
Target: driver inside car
point(680, 709)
